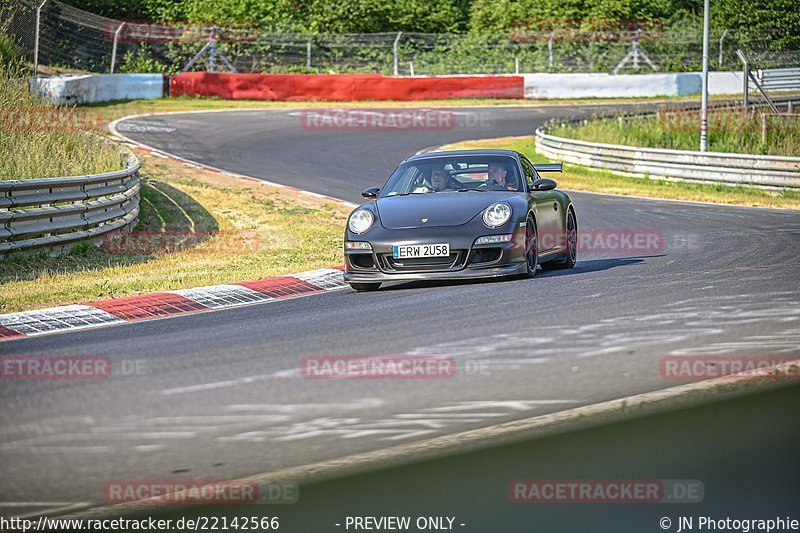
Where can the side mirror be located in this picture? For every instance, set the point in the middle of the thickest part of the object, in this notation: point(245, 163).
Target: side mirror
point(370, 193)
point(544, 184)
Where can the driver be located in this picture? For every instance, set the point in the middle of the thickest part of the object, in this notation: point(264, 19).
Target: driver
point(439, 179)
point(499, 174)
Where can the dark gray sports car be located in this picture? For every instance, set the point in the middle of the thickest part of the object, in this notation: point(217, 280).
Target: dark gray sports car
point(460, 215)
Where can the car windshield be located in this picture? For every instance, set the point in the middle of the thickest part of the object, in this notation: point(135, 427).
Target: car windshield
point(454, 174)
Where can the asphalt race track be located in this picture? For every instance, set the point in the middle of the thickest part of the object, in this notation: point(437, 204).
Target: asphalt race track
point(219, 395)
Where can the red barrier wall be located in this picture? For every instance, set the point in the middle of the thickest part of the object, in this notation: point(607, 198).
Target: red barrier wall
point(342, 87)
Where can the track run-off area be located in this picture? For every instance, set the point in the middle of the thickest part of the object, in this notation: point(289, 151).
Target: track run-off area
point(221, 395)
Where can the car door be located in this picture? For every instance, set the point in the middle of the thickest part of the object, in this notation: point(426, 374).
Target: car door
point(548, 211)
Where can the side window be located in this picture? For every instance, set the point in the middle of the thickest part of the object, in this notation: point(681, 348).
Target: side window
point(530, 173)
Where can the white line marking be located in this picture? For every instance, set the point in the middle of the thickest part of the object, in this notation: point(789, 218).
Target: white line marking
point(280, 374)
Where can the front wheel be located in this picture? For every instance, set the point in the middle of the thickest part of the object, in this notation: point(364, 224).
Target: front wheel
point(366, 286)
point(531, 246)
point(571, 254)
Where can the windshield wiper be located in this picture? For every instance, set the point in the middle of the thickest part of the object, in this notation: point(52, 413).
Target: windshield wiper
point(468, 189)
point(411, 192)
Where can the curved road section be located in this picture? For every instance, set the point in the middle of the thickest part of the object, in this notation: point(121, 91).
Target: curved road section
point(222, 395)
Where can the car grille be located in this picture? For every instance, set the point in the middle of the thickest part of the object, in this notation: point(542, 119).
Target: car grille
point(455, 261)
point(361, 260)
point(486, 255)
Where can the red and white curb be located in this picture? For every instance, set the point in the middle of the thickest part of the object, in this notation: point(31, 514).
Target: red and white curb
point(167, 304)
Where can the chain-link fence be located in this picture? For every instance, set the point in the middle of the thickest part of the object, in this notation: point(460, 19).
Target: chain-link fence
point(70, 38)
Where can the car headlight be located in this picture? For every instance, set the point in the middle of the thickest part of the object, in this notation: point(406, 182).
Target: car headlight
point(361, 220)
point(496, 215)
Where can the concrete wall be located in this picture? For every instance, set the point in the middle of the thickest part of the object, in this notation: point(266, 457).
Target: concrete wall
point(71, 90)
point(628, 85)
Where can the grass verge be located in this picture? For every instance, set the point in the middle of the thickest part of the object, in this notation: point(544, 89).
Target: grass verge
point(196, 228)
point(582, 179)
point(39, 140)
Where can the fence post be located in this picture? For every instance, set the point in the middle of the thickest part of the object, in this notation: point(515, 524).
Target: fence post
point(704, 97)
point(36, 39)
point(308, 53)
point(550, 48)
point(745, 80)
point(114, 48)
point(516, 65)
point(724, 33)
point(395, 52)
point(763, 128)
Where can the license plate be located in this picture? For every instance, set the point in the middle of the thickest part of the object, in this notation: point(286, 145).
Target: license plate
point(410, 251)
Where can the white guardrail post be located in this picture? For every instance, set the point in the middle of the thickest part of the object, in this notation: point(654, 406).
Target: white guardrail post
point(55, 213)
point(114, 47)
point(39, 7)
point(396, 53)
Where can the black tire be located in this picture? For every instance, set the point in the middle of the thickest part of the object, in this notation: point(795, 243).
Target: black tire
point(571, 257)
point(366, 286)
point(531, 247)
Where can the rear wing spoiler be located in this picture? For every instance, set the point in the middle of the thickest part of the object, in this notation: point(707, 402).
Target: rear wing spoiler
point(549, 167)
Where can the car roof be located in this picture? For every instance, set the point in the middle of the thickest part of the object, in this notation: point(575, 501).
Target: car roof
point(456, 153)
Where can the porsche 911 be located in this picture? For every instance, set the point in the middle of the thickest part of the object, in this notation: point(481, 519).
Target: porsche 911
point(460, 215)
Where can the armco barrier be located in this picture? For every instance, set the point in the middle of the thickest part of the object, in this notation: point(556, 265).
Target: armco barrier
point(763, 170)
point(52, 213)
point(343, 87)
point(72, 90)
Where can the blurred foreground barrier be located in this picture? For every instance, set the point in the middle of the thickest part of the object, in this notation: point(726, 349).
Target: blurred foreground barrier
point(763, 170)
point(53, 213)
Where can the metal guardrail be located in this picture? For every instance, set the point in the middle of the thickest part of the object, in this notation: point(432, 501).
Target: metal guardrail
point(779, 79)
point(52, 213)
point(762, 170)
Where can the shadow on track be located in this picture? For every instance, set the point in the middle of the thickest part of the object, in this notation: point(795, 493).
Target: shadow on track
point(582, 267)
point(595, 265)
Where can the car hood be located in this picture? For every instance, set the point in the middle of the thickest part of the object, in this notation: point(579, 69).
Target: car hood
point(440, 209)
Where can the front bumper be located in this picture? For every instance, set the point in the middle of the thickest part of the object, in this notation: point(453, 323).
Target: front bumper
point(467, 261)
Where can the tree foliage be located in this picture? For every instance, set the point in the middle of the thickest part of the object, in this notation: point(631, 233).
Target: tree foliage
point(780, 17)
